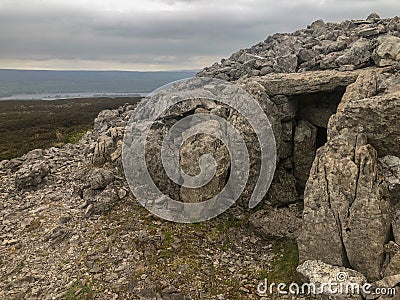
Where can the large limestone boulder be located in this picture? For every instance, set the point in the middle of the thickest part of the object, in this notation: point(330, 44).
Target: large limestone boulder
point(191, 152)
point(364, 87)
point(388, 51)
point(377, 117)
point(346, 207)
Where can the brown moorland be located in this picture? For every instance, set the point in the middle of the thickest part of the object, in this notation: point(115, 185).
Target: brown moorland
point(31, 124)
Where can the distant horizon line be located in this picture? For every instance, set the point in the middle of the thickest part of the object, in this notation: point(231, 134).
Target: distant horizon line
point(89, 70)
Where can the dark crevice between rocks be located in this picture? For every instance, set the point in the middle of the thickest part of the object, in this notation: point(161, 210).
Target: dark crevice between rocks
point(316, 109)
point(322, 137)
point(390, 235)
point(345, 258)
point(387, 253)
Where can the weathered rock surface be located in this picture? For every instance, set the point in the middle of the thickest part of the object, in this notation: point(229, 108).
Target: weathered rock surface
point(304, 83)
point(327, 278)
point(392, 262)
point(79, 235)
point(391, 171)
point(346, 204)
point(108, 146)
point(377, 117)
point(191, 152)
point(387, 284)
point(350, 45)
point(100, 178)
point(283, 187)
point(388, 51)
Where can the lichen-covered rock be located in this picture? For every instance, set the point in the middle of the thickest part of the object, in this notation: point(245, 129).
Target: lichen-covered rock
point(324, 276)
point(391, 265)
point(390, 284)
point(359, 54)
point(346, 206)
point(191, 152)
point(391, 171)
point(364, 87)
point(287, 108)
point(108, 146)
point(106, 119)
point(377, 117)
point(283, 187)
point(388, 51)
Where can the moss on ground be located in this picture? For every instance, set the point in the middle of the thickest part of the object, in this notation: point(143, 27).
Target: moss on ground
point(283, 267)
point(79, 291)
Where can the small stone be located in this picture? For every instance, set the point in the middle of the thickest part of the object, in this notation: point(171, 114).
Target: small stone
point(374, 16)
point(122, 193)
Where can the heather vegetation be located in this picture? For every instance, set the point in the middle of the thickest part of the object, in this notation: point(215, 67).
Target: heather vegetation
point(27, 125)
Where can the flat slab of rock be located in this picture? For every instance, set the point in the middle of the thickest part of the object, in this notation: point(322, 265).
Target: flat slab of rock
point(305, 83)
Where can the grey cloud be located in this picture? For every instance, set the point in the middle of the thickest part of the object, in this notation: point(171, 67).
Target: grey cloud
point(176, 37)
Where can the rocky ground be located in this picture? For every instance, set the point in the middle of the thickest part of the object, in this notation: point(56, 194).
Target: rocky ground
point(58, 241)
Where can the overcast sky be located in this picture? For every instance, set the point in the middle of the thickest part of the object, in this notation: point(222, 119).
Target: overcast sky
point(155, 34)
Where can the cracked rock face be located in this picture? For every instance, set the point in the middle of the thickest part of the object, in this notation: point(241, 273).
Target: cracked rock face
point(346, 206)
point(377, 117)
point(351, 197)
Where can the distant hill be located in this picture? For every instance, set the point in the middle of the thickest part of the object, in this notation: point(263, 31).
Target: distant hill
point(16, 82)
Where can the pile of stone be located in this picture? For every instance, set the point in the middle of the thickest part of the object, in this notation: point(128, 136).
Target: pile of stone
point(346, 46)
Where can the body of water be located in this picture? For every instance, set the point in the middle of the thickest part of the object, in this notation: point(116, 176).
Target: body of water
point(60, 96)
